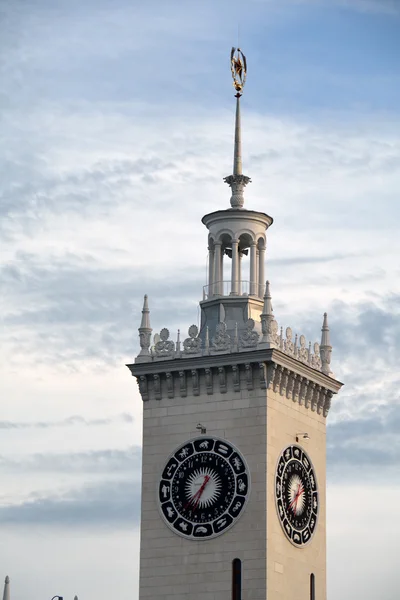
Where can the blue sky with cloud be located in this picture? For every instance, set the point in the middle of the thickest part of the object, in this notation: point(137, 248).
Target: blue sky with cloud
point(116, 132)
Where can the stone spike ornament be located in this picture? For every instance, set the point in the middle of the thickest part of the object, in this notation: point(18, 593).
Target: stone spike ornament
point(269, 326)
point(6, 593)
point(326, 348)
point(145, 331)
point(237, 182)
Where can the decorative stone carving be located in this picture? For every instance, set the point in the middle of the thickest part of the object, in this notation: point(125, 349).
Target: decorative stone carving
point(316, 358)
point(296, 387)
point(309, 394)
point(303, 352)
point(170, 384)
point(284, 382)
point(236, 378)
point(182, 384)
point(143, 387)
point(289, 345)
point(315, 397)
point(209, 381)
point(237, 183)
point(321, 400)
point(192, 344)
point(271, 374)
point(164, 348)
point(327, 404)
point(263, 375)
point(195, 382)
point(292, 380)
point(249, 337)
point(278, 377)
point(303, 391)
point(222, 380)
point(157, 386)
point(221, 342)
point(249, 376)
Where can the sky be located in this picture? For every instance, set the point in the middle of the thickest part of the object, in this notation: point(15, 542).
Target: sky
point(116, 131)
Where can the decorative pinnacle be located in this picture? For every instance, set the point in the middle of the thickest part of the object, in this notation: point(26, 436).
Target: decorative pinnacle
point(267, 309)
point(268, 324)
point(145, 324)
point(238, 181)
point(326, 348)
point(145, 333)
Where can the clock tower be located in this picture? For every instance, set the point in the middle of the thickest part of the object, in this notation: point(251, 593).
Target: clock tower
point(234, 431)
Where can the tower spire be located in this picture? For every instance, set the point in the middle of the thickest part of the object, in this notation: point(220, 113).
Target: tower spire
point(237, 182)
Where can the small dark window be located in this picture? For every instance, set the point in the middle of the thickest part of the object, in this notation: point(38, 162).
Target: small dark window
point(312, 586)
point(236, 579)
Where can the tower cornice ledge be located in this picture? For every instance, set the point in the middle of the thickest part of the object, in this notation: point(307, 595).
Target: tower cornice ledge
point(256, 369)
point(237, 214)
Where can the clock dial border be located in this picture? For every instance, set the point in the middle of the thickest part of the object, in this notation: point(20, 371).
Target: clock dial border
point(212, 528)
point(299, 537)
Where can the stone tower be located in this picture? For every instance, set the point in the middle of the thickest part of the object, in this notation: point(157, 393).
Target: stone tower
point(234, 448)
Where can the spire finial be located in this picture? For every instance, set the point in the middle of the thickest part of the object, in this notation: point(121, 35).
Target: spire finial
point(325, 348)
point(238, 181)
point(145, 333)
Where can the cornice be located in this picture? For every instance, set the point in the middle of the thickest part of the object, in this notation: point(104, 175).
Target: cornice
point(258, 369)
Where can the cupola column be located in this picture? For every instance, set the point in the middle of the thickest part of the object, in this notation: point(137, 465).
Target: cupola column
point(240, 274)
point(253, 269)
point(235, 268)
point(261, 272)
point(217, 270)
point(210, 270)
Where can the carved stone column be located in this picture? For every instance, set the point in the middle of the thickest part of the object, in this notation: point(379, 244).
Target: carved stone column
point(253, 269)
point(217, 270)
point(210, 270)
point(261, 273)
point(235, 268)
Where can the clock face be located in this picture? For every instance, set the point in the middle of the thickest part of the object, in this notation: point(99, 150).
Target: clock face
point(203, 488)
point(296, 495)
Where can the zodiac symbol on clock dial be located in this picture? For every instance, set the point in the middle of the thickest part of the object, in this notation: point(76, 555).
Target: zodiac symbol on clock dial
point(169, 511)
point(203, 444)
point(184, 452)
point(222, 523)
point(237, 505)
point(202, 531)
point(165, 490)
point(170, 469)
point(296, 538)
point(236, 463)
point(242, 484)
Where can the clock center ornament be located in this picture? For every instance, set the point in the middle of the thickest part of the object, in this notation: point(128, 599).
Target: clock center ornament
point(203, 488)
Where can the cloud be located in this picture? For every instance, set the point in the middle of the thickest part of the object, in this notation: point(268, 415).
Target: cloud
point(106, 503)
point(93, 462)
point(69, 422)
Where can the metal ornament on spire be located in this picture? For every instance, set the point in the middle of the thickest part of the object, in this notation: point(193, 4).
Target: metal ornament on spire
point(238, 181)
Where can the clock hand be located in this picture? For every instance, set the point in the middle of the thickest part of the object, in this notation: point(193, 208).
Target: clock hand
point(300, 490)
point(201, 490)
point(195, 499)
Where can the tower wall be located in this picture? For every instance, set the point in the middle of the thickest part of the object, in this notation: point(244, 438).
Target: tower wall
point(174, 568)
point(289, 567)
